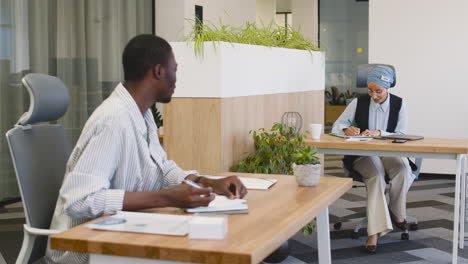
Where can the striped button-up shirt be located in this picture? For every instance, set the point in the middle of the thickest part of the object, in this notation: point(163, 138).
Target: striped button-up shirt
point(118, 151)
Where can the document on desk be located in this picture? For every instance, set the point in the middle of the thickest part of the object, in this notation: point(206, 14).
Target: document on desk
point(220, 204)
point(359, 139)
point(162, 224)
point(251, 183)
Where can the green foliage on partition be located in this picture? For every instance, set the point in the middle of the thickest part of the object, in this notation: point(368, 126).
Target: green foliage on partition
point(157, 116)
point(335, 97)
point(276, 151)
point(271, 35)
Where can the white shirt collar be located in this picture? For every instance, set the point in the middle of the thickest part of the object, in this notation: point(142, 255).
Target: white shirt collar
point(384, 106)
point(122, 93)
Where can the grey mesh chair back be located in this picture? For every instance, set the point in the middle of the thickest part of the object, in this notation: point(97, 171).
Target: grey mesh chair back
point(363, 69)
point(39, 153)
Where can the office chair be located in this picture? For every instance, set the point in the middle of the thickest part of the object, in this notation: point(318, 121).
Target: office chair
point(39, 153)
point(361, 81)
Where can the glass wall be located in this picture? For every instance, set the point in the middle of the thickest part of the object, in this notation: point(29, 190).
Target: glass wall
point(344, 28)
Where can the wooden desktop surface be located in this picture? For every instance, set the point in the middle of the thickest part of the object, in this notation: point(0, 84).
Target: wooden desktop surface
point(427, 145)
point(274, 216)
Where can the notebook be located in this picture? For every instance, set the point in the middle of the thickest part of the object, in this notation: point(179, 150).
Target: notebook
point(220, 204)
point(407, 137)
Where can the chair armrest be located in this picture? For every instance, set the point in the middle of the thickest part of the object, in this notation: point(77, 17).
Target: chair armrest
point(39, 231)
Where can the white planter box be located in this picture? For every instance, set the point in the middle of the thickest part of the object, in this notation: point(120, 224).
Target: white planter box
point(234, 70)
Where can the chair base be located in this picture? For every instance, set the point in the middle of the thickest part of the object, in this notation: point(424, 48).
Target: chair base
point(412, 221)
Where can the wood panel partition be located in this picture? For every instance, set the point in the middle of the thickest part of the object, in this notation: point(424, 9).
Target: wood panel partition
point(211, 134)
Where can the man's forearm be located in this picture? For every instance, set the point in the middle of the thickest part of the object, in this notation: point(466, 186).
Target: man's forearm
point(143, 200)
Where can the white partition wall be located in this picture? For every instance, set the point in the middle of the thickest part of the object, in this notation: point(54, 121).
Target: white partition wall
point(427, 42)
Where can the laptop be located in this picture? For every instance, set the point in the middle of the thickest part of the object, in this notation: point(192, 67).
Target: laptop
point(406, 137)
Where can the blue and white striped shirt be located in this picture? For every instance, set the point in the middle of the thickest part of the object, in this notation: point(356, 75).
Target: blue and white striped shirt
point(111, 157)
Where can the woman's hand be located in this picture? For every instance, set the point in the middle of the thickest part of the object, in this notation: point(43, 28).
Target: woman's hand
point(352, 131)
point(371, 133)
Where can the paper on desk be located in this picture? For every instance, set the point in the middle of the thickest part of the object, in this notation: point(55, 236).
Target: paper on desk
point(221, 203)
point(251, 183)
point(163, 224)
point(359, 139)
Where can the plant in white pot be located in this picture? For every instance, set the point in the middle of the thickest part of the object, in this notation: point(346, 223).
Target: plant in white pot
point(306, 167)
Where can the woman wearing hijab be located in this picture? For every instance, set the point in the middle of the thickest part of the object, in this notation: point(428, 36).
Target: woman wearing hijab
point(379, 113)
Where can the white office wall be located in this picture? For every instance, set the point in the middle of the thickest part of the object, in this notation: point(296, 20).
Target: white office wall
point(305, 16)
point(169, 19)
point(427, 42)
point(171, 15)
point(283, 6)
point(266, 11)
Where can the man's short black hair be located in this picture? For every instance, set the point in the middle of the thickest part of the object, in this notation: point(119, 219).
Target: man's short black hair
point(142, 53)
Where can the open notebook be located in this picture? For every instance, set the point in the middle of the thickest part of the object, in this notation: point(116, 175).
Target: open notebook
point(220, 204)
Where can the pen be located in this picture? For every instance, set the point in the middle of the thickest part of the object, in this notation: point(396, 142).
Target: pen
point(350, 122)
point(191, 183)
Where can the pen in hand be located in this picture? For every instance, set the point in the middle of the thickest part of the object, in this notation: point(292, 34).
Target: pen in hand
point(191, 183)
point(356, 129)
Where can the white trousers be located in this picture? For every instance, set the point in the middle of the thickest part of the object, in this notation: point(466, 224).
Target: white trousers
point(373, 170)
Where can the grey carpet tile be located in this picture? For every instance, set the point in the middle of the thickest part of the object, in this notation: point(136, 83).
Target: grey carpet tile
point(10, 210)
point(10, 244)
point(451, 194)
point(416, 187)
point(433, 255)
point(353, 197)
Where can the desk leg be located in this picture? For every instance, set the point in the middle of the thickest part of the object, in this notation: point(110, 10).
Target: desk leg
point(323, 237)
point(456, 211)
point(463, 201)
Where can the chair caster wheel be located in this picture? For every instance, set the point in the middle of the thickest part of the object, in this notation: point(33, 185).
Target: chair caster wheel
point(337, 226)
point(354, 235)
point(405, 236)
point(413, 227)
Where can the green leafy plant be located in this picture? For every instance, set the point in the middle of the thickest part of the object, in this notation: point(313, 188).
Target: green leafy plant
point(157, 116)
point(335, 97)
point(271, 35)
point(276, 151)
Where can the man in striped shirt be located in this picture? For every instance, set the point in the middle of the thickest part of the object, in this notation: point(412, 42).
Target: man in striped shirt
point(118, 162)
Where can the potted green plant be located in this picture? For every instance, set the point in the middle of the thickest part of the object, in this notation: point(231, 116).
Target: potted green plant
point(306, 167)
point(276, 152)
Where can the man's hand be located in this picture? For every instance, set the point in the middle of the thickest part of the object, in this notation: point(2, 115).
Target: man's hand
point(186, 196)
point(352, 131)
point(230, 186)
point(371, 133)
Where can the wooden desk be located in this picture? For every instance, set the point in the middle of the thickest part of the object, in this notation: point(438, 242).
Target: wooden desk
point(275, 216)
point(431, 148)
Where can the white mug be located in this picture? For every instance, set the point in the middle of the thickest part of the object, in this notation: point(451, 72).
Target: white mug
point(315, 130)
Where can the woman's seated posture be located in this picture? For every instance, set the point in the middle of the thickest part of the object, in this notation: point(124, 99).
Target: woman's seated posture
point(379, 114)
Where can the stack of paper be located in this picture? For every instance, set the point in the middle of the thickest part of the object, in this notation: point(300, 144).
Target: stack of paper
point(221, 203)
point(202, 227)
